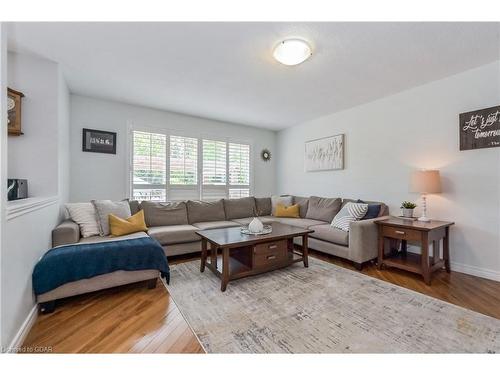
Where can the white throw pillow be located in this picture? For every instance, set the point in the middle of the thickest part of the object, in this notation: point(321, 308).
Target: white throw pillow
point(287, 200)
point(349, 213)
point(85, 216)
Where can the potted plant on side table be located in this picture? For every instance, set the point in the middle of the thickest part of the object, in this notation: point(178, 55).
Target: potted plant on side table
point(408, 208)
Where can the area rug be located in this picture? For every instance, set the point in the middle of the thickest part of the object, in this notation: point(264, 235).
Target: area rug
point(323, 309)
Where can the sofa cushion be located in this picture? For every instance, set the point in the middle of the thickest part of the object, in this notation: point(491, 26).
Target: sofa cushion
point(201, 211)
point(216, 224)
point(172, 234)
point(328, 233)
point(159, 214)
point(104, 208)
point(121, 227)
point(384, 210)
point(323, 209)
point(85, 216)
point(349, 213)
point(302, 223)
point(263, 206)
point(238, 208)
point(287, 200)
point(303, 203)
point(265, 220)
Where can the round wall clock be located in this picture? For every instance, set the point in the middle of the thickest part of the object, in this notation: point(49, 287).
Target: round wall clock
point(265, 154)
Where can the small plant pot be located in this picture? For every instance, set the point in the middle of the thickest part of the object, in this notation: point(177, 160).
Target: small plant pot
point(408, 212)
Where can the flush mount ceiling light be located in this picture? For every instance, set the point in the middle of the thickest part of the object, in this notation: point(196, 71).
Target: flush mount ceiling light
point(292, 51)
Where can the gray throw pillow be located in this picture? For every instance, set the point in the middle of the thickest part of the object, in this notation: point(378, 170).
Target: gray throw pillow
point(286, 200)
point(349, 213)
point(104, 208)
point(323, 209)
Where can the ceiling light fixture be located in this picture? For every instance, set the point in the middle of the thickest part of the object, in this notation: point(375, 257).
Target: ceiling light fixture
point(292, 51)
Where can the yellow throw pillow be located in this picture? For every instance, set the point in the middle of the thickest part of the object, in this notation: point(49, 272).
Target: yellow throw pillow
point(121, 227)
point(284, 211)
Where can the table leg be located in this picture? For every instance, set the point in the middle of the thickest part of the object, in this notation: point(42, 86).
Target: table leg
point(225, 269)
point(305, 250)
point(425, 258)
point(213, 255)
point(404, 246)
point(381, 243)
point(446, 249)
point(203, 254)
point(436, 251)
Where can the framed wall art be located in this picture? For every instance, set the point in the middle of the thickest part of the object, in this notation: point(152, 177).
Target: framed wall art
point(99, 141)
point(324, 154)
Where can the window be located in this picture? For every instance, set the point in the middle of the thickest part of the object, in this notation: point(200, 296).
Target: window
point(214, 162)
point(239, 170)
point(172, 167)
point(149, 177)
point(183, 161)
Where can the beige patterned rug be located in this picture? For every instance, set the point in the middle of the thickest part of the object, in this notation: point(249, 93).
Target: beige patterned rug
point(323, 309)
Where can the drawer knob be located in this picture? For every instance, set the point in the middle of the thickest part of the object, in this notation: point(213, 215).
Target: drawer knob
point(271, 257)
point(273, 246)
point(399, 232)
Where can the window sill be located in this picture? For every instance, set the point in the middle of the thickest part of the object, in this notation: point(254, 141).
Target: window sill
point(24, 206)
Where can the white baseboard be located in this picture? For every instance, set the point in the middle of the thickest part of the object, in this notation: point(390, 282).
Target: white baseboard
point(18, 340)
point(475, 271)
point(465, 268)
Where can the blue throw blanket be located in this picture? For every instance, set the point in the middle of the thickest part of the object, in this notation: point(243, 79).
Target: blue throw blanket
point(63, 264)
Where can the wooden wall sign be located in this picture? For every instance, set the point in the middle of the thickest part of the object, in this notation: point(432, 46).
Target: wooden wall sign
point(14, 111)
point(480, 129)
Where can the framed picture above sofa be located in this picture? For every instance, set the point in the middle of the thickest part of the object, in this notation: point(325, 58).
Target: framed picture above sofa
point(98, 141)
point(324, 154)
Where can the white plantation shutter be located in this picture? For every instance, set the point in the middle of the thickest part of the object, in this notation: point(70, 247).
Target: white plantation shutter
point(214, 162)
point(183, 169)
point(183, 161)
point(239, 170)
point(214, 170)
point(172, 167)
point(149, 171)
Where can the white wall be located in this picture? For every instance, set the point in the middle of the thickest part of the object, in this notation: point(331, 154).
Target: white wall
point(388, 138)
point(104, 176)
point(42, 156)
point(34, 154)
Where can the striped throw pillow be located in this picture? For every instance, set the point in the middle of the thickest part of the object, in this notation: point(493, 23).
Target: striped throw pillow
point(349, 213)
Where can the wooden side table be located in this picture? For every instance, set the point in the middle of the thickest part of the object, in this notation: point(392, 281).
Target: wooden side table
point(414, 231)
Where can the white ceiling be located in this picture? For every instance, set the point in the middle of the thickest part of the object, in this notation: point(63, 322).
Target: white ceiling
point(225, 71)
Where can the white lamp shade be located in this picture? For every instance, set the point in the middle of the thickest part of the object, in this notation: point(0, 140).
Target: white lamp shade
point(425, 182)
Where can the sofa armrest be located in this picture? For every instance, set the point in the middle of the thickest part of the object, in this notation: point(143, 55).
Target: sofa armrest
point(363, 240)
point(65, 233)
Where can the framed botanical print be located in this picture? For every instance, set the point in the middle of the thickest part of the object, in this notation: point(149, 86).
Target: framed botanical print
point(14, 111)
point(99, 141)
point(324, 154)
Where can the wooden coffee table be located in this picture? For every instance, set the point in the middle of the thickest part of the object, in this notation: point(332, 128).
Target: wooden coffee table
point(246, 255)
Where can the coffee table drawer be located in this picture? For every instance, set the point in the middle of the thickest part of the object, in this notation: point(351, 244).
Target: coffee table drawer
point(401, 233)
point(268, 254)
point(271, 247)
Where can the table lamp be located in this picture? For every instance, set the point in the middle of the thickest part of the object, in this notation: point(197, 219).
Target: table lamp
point(425, 182)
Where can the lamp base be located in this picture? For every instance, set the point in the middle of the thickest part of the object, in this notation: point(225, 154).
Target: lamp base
point(424, 219)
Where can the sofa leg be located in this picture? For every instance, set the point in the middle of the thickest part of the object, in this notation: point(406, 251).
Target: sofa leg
point(47, 307)
point(358, 266)
point(152, 283)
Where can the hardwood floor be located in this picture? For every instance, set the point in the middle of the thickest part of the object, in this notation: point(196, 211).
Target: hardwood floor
point(139, 320)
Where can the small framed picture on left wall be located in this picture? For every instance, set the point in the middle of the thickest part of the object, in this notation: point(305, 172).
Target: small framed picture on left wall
point(99, 141)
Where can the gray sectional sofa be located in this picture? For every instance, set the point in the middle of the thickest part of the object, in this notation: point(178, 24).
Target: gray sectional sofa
point(174, 224)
